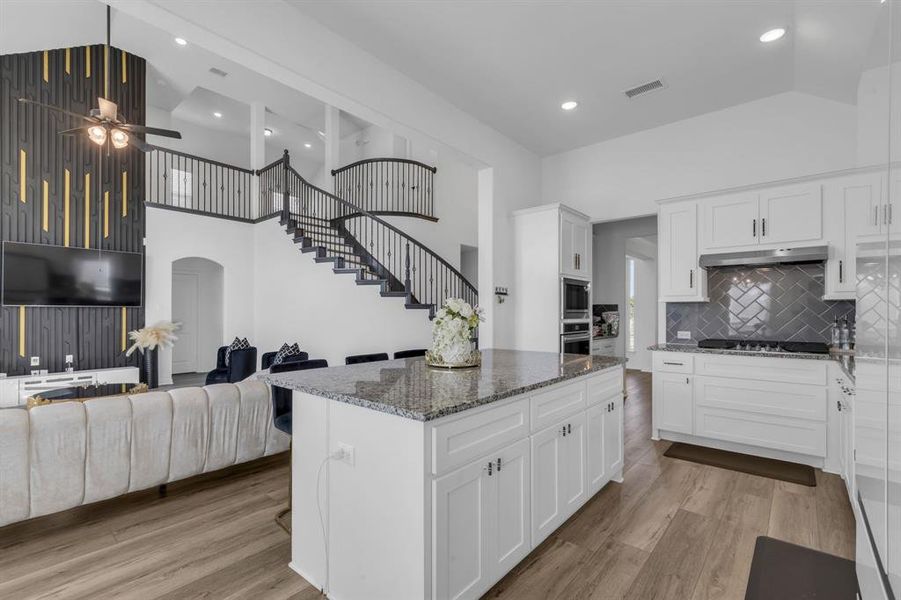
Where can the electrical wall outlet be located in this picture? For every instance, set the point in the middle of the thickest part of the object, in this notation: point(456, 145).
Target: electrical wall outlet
point(683, 335)
point(347, 452)
point(69, 358)
point(35, 361)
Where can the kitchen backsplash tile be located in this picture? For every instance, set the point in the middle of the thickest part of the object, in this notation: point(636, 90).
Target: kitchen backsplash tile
point(781, 302)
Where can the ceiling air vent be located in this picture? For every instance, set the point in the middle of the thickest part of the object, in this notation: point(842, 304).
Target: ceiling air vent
point(218, 72)
point(645, 88)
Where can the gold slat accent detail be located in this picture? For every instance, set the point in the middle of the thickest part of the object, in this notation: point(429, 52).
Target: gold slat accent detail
point(106, 71)
point(124, 67)
point(22, 169)
point(87, 62)
point(66, 207)
point(106, 214)
point(45, 207)
point(22, 331)
point(68, 61)
point(124, 193)
point(87, 210)
point(124, 329)
point(46, 66)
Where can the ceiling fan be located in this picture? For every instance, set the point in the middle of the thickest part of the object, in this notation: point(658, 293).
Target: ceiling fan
point(104, 123)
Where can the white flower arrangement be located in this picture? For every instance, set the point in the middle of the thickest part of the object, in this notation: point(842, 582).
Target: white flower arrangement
point(159, 335)
point(452, 334)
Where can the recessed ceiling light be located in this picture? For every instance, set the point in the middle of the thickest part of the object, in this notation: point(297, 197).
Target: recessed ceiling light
point(308, 145)
point(181, 41)
point(772, 35)
point(569, 105)
point(267, 132)
point(217, 114)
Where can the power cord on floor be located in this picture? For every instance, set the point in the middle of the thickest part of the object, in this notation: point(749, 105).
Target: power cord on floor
point(336, 455)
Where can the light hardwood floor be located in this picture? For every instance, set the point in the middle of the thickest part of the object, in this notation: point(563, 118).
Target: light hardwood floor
point(672, 529)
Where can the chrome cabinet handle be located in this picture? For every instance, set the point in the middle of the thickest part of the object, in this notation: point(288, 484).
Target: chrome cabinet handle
point(498, 465)
point(754, 228)
point(838, 405)
point(675, 364)
point(490, 467)
point(841, 272)
point(564, 431)
point(569, 428)
point(763, 227)
point(686, 380)
point(691, 278)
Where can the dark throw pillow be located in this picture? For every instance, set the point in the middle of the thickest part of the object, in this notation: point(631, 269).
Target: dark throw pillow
point(238, 344)
point(284, 352)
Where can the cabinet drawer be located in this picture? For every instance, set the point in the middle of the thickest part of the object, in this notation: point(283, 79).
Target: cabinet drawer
point(463, 440)
point(556, 404)
point(762, 397)
point(604, 387)
point(759, 368)
point(766, 431)
point(673, 362)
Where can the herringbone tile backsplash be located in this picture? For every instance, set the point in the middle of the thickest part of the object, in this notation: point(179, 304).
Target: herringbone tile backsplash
point(781, 303)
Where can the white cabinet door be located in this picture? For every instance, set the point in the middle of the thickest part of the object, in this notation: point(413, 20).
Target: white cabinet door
point(613, 436)
point(567, 245)
point(597, 464)
point(730, 221)
point(510, 534)
point(673, 402)
point(680, 278)
point(575, 468)
point(852, 207)
point(575, 245)
point(791, 214)
point(547, 480)
point(460, 532)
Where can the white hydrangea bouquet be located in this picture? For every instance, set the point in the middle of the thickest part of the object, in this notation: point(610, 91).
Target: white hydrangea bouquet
point(452, 330)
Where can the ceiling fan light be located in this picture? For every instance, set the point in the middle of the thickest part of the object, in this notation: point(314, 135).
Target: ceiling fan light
point(119, 138)
point(97, 134)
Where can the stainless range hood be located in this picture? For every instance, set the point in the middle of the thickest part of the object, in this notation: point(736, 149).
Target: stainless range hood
point(755, 258)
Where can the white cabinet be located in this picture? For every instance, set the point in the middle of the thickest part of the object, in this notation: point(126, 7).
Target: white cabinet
point(613, 437)
point(597, 462)
point(791, 214)
point(680, 279)
point(853, 208)
point(781, 215)
point(575, 245)
point(481, 522)
point(730, 221)
point(460, 537)
point(673, 402)
point(547, 496)
point(575, 467)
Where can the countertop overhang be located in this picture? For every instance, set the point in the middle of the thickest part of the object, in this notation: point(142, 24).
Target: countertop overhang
point(694, 349)
point(409, 388)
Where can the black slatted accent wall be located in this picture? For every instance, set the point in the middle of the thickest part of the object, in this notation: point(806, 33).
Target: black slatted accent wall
point(56, 208)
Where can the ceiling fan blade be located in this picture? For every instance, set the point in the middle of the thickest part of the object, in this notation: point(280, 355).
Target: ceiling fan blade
point(139, 144)
point(59, 110)
point(108, 109)
point(151, 130)
point(75, 130)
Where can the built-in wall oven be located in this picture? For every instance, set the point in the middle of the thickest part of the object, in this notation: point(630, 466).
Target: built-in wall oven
point(576, 338)
point(575, 299)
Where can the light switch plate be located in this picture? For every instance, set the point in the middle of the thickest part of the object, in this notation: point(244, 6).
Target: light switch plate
point(683, 335)
point(35, 361)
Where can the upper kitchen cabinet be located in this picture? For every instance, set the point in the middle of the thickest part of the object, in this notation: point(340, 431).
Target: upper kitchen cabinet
point(730, 221)
point(782, 215)
point(680, 279)
point(575, 244)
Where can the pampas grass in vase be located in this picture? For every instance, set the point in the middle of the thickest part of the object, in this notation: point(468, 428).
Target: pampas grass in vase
point(148, 340)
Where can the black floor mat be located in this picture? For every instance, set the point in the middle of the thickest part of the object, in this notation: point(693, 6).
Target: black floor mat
point(746, 463)
point(784, 571)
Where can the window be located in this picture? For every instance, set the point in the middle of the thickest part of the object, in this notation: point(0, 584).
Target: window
point(630, 303)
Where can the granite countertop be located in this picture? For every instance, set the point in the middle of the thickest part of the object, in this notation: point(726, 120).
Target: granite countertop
point(410, 388)
point(693, 348)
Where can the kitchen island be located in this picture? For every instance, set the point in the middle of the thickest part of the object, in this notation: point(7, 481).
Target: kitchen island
point(410, 482)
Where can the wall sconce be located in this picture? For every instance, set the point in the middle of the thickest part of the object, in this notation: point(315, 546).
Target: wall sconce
point(501, 293)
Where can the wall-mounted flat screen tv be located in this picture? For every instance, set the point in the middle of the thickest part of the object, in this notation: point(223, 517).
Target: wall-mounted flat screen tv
point(42, 275)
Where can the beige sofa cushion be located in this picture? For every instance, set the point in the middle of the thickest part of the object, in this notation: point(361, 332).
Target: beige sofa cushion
point(14, 487)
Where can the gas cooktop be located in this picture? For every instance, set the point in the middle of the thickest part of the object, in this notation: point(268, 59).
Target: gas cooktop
point(765, 346)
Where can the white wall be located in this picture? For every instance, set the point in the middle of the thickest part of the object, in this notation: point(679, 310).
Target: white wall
point(209, 326)
point(608, 282)
point(173, 235)
point(782, 136)
point(303, 54)
point(330, 316)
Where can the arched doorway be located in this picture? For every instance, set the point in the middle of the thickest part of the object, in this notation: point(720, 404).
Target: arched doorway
point(197, 303)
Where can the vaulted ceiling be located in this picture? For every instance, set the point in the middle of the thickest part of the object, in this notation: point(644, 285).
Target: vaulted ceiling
point(511, 63)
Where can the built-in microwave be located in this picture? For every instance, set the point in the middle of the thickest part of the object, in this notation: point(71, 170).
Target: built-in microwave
point(576, 338)
point(575, 299)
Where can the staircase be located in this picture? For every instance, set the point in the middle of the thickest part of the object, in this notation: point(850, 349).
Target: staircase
point(358, 243)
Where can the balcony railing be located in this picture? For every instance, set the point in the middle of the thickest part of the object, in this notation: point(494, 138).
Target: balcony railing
point(388, 186)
